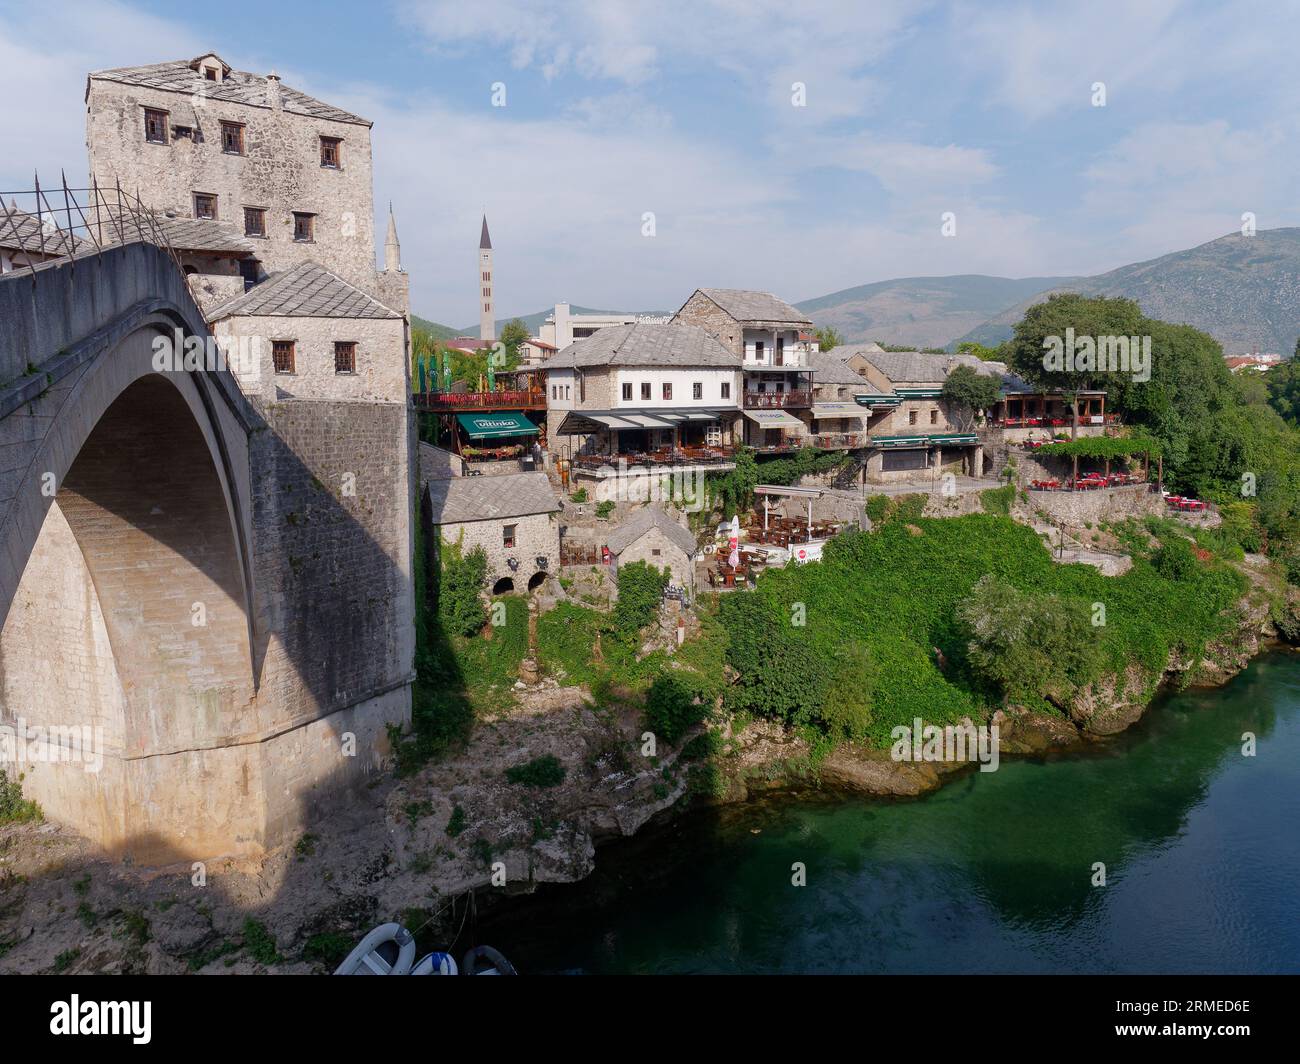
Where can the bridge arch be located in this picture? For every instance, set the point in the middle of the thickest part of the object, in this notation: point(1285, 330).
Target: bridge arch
point(125, 590)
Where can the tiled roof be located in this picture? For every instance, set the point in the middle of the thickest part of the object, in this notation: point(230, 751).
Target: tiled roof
point(919, 366)
point(489, 498)
point(187, 234)
point(238, 86)
point(642, 522)
point(829, 368)
point(744, 305)
point(306, 291)
point(20, 231)
point(644, 345)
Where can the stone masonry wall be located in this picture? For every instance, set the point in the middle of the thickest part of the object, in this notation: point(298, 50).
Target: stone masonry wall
point(536, 535)
point(333, 540)
point(702, 311)
point(279, 172)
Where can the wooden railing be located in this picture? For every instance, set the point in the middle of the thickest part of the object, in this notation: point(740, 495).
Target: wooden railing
point(776, 400)
point(515, 400)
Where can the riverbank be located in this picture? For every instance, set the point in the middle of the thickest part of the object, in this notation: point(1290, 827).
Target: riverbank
point(544, 779)
point(995, 873)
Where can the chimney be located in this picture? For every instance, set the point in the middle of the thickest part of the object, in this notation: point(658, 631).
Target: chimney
point(273, 90)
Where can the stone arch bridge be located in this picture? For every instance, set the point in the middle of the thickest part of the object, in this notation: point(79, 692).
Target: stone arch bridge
point(202, 638)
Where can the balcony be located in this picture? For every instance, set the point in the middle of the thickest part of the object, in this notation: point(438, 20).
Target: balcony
point(777, 400)
point(451, 402)
point(666, 459)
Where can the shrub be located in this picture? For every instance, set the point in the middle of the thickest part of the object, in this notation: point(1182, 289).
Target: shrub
point(604, 509)
point(999, 500)
point(460, 607)
point(640, 590)
point(671, 709)
point(1027, 645)
point(14, 808)
point(1175, 560)
point(878, 507)
point(579, 496)
point(456, 823)
point(544, 771)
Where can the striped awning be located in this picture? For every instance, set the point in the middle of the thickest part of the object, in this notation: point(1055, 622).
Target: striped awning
point(838, 410)
point(775, 419)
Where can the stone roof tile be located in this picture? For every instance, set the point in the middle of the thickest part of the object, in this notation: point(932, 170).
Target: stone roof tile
point(644, 345)
point(455, 500)
point(306, 291)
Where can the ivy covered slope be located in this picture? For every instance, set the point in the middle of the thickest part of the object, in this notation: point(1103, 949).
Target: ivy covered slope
point(888, 627)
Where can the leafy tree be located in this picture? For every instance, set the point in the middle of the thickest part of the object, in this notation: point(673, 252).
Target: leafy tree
point(980, 351)
point(513, 333)
point(1175, 559)
point(828, 338)
point(845, 711)
point(460, 605)
point(1027, 646)
point(671, 709)
point(968, 392)
point(640, 590)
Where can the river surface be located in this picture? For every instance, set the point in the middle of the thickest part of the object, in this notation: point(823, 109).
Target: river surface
point(993, 873)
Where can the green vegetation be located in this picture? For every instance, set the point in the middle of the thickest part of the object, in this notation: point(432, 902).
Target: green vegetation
point(328, 948)
point(604, 508)
point(967, 393)
point(828, 338)
point(544, 771)
point(998, 500)
point(1103, 447)
point(259, 943)
point(456, 822)
point(640, 590)
point(892, 599)
point(460, 609)
point(671, 708)
point(14, 808)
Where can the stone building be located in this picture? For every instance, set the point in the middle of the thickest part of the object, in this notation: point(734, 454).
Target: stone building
point(275, 498)
point(773, 341)
point(562, 326)
point(200, 140)
point(512, 517)
point(653, 396)
point(651, 535)
point(309, 334)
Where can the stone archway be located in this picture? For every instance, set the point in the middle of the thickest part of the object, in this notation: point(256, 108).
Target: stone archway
point(536, 580)
point(503, 586)
point(126, 658)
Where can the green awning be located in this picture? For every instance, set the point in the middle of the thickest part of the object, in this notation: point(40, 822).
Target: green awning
point(484, 426)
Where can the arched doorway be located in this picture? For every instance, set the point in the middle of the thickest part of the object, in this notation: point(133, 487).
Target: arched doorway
point(503, 586)
point(536, 580)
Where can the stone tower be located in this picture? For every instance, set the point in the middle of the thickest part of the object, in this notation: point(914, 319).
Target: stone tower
point(486, 325)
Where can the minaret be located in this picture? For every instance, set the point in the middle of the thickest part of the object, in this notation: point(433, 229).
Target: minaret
point(486, 324)
point(392, 249)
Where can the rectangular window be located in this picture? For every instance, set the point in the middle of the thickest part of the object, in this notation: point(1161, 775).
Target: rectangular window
point(304, 227)
point(554, 391)
point(508, 536)
point(758, 350)
point(668, 390)
point(582, 388)
point(331, 151)
point(934, 417)
point(627, 393)
point(697, 390)
point(155, 126)
point(345, 356)
point(282, 355)
point(254, 221)
point(726, 389)
point(655, 552)
point(205, 205)
point(232, 138)
point(568, 391)
point(911, 417)
point(645, 390)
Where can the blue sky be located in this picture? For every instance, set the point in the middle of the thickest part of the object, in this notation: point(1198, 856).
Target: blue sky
point(685, 109)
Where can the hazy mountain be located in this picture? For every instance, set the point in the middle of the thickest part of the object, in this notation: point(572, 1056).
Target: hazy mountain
point(1243, 291)
point(439, 332)
point(925, 311)
point(534, 321)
